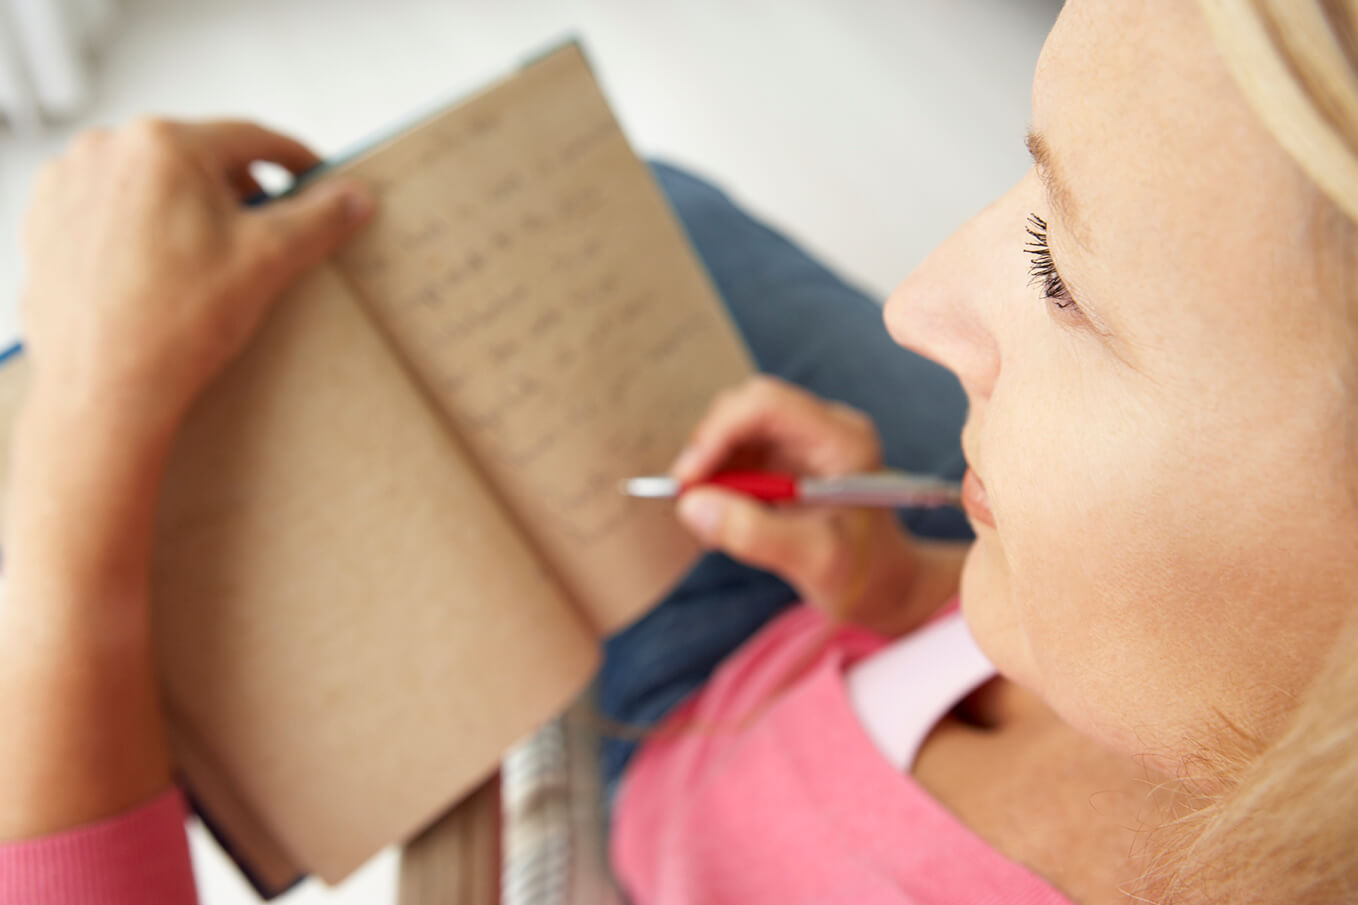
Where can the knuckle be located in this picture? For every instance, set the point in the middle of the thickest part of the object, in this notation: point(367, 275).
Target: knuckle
point(150, 129)
point(857, 418)
point(48, 176)
point(763, 387)
point(89, 141)
point(724, 402)
point(725, 396)
point(756, 394)
point(861, 424)
point(152, 140)
point(858, 425)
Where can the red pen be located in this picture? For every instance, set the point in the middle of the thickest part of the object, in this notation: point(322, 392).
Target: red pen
point(882, 488)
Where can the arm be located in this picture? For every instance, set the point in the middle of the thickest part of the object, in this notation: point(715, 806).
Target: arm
point(146, 278)
point(77, 690)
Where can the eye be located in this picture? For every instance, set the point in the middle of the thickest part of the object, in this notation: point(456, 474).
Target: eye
point(1043, 270)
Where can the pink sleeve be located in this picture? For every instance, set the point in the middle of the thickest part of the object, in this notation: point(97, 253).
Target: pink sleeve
point(139, 857)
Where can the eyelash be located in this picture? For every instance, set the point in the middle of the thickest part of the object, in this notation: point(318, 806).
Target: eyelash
point(1043, 269)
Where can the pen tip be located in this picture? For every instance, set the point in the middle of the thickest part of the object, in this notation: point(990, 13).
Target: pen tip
point(652, 487)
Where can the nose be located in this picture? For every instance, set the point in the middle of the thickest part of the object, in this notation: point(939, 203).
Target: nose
point(946, 309)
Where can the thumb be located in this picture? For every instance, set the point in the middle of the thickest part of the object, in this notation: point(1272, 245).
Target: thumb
point(782, 542)
point(286, 238)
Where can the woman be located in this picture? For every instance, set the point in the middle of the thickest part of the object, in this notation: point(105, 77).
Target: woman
point(1162, 485)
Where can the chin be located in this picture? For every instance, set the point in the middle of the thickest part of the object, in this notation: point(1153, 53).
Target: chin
point(991, 616)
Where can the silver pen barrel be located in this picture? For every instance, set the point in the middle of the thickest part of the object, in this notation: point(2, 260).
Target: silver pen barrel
point(883, 488)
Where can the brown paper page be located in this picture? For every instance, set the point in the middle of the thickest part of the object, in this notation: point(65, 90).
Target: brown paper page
point(530, 270)
point(350, 630)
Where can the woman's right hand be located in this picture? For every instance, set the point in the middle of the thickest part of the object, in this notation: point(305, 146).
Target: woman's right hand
point(856, 564)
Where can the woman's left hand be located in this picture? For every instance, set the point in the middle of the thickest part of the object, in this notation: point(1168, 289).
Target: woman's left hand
point(146, 276)
point(146, 272)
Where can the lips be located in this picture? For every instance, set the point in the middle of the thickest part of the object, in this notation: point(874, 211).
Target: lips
point(974, 499)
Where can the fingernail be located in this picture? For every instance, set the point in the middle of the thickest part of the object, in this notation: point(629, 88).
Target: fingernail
point(358, 203)
point(684, 462)
point(702, 513)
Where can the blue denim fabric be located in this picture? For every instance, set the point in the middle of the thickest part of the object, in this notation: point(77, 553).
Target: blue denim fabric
point(806, 325)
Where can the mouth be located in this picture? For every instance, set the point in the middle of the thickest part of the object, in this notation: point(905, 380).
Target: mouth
point(974, 499)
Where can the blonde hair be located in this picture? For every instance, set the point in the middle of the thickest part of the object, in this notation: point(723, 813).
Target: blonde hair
point(1285, 830)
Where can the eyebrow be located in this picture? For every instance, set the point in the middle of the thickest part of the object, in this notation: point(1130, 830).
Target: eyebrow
point(1058, 193)
point(1061, 200)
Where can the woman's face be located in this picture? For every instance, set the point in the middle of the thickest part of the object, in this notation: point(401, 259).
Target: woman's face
point(1165, 444)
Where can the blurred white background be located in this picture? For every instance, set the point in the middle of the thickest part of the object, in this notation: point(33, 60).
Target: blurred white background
point(869, 129)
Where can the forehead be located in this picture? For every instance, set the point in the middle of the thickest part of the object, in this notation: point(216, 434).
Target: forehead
point(1181, 186)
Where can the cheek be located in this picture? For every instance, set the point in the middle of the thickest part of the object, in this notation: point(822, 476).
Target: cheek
point(1141, 580)
point(1078, 595)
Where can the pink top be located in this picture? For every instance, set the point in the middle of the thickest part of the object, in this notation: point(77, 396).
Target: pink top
point(778, 793)
point(138, 858)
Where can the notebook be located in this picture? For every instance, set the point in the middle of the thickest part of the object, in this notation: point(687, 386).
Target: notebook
point(389, 539)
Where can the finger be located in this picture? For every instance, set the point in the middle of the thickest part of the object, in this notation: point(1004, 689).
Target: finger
point(286, 238)
point(799, 430)
point(233, 145)
point(793, 544)
point(737, 417)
